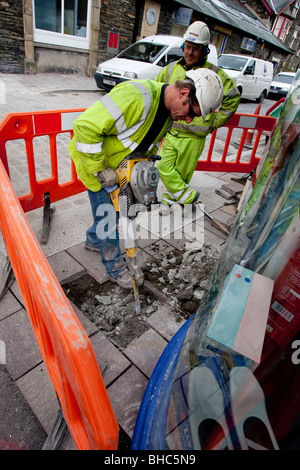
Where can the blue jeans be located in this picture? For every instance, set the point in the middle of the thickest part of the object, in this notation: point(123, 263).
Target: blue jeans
point(104, 232)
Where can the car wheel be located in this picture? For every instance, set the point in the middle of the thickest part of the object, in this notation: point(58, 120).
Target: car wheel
point(261, 97)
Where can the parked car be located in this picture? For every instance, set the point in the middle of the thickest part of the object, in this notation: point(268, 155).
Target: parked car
point(281, 85)
point(143, 59)
point(252, 76)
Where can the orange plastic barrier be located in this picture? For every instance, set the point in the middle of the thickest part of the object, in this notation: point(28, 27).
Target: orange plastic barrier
point(27, 126)
point(244, 122)
point(65, 348)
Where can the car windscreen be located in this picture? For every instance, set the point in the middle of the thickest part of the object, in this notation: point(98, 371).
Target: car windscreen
point(143, 51)
point(283, 78)
point(231, 62)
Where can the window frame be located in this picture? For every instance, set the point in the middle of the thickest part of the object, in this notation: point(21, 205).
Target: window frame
point(61, 39)
point(281, 27)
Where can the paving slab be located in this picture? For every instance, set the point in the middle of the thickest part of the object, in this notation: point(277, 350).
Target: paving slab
point(126, 395)
point(231, 210)
point(65, 267)
point(211, 228)
point(37, 389)
point(166, 322)
point(157, 247)
point(22, 351)
point(112, 362)
point(213, 238)
point(179, 238)
point(8, 305)
point(223, 217)
point(20, 429)
point(90, 260)
point(145, 351)
point(145, 238)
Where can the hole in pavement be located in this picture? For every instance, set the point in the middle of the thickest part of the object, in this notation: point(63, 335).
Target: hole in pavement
point(112, 308)
point(177, 278)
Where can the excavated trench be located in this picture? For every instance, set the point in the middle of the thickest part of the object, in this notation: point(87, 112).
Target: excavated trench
point(179, 278)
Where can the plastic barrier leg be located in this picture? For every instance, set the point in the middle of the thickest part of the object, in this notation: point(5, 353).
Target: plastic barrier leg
point(6, 278)
point(48, 211)
point(58, 432)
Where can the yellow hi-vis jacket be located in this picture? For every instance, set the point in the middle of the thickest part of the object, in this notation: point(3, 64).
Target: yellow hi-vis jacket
point(176, 71)
point(113, 127)
point(183, 145)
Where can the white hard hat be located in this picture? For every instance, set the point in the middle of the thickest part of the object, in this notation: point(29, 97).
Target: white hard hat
point(198, 33)
point(209, 89)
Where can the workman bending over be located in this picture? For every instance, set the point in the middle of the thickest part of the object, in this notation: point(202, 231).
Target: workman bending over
point(184, 143)
point(134, 116)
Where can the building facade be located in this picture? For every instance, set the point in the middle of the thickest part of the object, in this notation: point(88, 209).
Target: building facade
point(73, 36)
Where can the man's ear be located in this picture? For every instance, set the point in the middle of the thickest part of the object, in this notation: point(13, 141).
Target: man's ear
point(184, 93)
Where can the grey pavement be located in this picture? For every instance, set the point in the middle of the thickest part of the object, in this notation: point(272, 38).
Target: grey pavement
point(28, 401)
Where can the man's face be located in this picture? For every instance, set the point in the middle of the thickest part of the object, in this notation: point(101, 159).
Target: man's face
point(191, 53)
point(182, 109)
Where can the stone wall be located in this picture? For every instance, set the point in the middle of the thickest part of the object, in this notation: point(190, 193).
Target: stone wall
point(12, 53)
point(120, 17)
point(165, 18)
point(56, 60)
point(125, 17)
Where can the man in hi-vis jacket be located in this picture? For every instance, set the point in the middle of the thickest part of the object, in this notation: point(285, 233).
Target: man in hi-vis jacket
point(132, 117)
point(184, 143)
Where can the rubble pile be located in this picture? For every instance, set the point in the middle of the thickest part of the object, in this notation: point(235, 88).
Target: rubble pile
point(181, 277)
point(184, 276)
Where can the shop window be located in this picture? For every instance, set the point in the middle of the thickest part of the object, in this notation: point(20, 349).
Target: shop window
point(62, 22)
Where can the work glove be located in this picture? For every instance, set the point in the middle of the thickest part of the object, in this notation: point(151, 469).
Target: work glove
point(107, 177)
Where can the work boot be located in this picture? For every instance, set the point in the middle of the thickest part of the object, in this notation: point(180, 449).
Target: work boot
point(197, 195)
point(164, 209)
point(196, 201)
point(124, 279)
point(138, 275)
point(91, 247)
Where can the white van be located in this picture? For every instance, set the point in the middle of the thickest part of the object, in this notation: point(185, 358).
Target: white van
point(143, 59)
point(252, 76)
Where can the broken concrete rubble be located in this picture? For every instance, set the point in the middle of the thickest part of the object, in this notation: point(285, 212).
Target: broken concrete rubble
point(180, 277)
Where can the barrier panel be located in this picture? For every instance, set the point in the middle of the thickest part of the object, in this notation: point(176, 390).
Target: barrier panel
point(244, 122)
point(28, 126)
point(66, 349)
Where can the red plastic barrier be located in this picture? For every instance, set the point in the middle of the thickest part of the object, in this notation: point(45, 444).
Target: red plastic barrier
point(27, 126)
point(238, 121)
point(65, 347)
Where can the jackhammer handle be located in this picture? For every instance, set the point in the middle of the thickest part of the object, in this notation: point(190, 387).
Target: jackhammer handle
point(220, 226)
point(224, 230)
point(154, 158)
point(214, 221)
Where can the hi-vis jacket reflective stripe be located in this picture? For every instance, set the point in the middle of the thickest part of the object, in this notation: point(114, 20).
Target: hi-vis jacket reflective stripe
point(113, 127)
point(197, 128)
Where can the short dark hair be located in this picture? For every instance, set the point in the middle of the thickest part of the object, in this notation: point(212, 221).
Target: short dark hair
point(188, 84)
